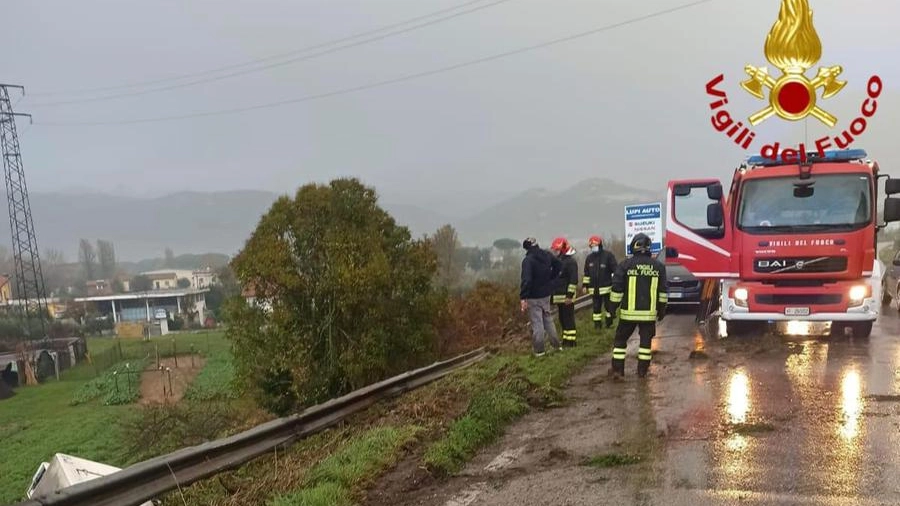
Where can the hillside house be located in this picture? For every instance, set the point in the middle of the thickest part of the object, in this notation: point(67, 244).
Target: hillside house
point(204, 278)
point(167, 279)
point(98, 287)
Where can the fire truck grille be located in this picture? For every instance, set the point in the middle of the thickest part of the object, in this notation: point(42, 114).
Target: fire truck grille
point(805, 299)
point(794, 265)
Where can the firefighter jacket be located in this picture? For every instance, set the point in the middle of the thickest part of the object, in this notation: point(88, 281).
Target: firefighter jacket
point(639, 288)
point(598, 271)
point(567, 282)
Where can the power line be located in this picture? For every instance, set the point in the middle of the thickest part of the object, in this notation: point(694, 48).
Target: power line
point(379, 84)
point(267, 67)
point(295, 52)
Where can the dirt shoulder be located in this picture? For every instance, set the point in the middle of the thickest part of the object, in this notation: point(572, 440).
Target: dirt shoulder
point(602, 442)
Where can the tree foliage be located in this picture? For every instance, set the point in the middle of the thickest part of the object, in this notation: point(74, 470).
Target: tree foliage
point(169, 261)
point(87, 257)
point(506, 244)
point(446, 247)
point(350, 292)
point(106, 254)
point(184, 283)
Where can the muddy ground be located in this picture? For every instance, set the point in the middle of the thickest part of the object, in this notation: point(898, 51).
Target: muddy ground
point(156, 387)
point(764, 420)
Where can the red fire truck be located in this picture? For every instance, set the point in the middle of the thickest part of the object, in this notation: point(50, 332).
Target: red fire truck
point(792, 243)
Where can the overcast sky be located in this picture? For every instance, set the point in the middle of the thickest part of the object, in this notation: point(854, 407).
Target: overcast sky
point(628, 103)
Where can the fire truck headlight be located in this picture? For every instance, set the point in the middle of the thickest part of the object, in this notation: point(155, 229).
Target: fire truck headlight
point(857, 294)
point(740, 296)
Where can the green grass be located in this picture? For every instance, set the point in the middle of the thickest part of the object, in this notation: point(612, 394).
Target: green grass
point(503, 388)
point(40, 421)
point(333, 481)
point(613, 460)
point(120, 384)
point(751, 428)
point(216, 379)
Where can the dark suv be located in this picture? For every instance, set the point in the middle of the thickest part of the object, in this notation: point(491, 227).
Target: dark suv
point(891, 285)
point(684, 288)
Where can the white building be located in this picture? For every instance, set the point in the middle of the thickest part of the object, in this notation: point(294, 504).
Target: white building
point(167, 279)
point(143, 306)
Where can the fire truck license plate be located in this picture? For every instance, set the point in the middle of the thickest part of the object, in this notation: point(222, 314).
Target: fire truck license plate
point(796, 311)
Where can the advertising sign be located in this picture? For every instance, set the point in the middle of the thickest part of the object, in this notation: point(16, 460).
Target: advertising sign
point(647, 219)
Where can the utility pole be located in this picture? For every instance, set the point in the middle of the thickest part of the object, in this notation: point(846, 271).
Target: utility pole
point(29, 278)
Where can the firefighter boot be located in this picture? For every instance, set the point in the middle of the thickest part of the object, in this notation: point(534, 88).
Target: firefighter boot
point(644, 355)
point(617, 369)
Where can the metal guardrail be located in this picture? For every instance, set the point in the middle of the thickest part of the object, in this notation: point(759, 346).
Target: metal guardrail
point(582, 302)
point(144, 481)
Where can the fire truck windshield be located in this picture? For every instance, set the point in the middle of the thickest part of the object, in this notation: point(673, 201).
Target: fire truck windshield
point(788, 204)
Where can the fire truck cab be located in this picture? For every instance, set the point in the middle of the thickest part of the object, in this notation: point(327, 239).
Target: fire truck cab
point(791, 243)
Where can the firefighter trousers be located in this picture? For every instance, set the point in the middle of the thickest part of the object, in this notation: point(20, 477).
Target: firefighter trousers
point(601, 310)
point(567, 322)
point(646, 330)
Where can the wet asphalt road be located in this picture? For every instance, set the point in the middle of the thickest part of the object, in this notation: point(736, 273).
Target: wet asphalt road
point(759, 421)
point(784, 420)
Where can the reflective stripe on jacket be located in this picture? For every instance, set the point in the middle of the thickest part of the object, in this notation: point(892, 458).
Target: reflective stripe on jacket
point(639, 287)
point(567, 282)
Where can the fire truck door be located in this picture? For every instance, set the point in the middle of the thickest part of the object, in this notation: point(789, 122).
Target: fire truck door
point(698, 229)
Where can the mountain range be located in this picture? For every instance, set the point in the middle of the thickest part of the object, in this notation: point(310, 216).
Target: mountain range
point(197, 222)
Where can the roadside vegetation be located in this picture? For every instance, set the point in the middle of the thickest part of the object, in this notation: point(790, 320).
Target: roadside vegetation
point(346, 297)
point(84, 414)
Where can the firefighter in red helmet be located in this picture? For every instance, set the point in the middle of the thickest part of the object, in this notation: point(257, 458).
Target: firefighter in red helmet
point(599, 267)
point(565, 289)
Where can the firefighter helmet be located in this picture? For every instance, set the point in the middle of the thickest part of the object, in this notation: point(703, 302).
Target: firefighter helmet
point(641, 244)
point(560, 244)
point(595, 240)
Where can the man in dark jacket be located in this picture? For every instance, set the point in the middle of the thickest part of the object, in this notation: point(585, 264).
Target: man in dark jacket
point(639, 285)
point(599, 267)
point(539, 271)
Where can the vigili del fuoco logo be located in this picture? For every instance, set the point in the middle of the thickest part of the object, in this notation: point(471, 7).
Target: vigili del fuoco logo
point(793, 47)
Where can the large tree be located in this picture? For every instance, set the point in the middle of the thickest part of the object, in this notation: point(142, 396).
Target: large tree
point(107, 256)
point(351, 300)
point(88, 259)
point(445, 245)
point(52, 262)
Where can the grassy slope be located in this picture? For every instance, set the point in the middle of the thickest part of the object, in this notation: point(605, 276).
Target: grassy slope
point(493, 393)
point(502, 390)
point(39, 421)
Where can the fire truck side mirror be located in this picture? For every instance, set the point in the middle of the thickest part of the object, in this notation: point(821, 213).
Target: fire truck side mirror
point(892, 186)
point(715, 216)
point(714, 192)
point(891, 209)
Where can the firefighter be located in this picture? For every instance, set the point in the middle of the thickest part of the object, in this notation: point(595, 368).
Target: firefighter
point(565, 290)
point(639, 289)
point(599, 267)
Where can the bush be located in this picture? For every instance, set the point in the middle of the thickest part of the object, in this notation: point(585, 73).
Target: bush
point(158, 429)
point(489, 313)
